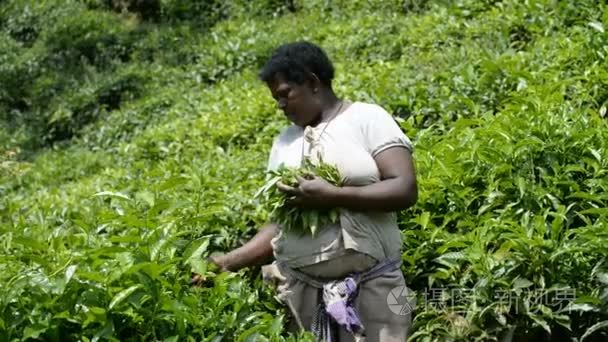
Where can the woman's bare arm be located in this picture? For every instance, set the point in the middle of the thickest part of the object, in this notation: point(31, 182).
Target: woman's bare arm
point(256, 251)
point(396, 190)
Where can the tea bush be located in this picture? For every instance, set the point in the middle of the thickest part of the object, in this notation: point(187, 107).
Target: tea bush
point(132, 143)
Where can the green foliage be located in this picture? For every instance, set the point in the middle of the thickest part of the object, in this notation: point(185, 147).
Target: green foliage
point(132, 145)
point(291, 218)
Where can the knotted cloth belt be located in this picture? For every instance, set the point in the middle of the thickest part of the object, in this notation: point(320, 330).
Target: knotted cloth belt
point(338, 300)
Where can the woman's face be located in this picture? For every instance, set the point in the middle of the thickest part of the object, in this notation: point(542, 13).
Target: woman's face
point(297, 101)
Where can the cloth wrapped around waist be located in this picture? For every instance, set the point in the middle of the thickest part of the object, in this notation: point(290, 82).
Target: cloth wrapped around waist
point(338, 294)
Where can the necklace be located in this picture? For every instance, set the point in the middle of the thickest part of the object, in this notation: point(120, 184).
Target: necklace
point(309, 133)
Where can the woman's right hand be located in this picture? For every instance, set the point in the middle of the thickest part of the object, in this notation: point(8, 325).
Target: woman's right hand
point(255, 251)
point(215, 264)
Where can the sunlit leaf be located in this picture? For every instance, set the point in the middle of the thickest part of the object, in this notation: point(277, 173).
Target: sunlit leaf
point(122, 295)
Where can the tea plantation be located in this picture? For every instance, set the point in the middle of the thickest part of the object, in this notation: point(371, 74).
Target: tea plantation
point(134, 134)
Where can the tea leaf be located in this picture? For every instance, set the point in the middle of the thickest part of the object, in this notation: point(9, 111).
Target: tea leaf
point(122, 295)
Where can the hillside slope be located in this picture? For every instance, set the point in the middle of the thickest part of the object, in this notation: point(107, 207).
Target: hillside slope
point(132, 141)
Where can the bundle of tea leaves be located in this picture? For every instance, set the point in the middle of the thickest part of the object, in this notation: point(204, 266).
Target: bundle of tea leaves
point(293, 218)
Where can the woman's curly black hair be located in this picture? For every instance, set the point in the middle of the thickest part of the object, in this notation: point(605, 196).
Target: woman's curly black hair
point(295, 61)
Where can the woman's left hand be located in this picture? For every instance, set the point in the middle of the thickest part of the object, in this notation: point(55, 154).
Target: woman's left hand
point(314, 193)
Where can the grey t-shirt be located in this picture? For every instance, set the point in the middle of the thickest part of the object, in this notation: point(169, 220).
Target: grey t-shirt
point(350, 141)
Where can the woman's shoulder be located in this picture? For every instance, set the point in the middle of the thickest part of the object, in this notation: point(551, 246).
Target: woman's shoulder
point(288, 134)
point(365, 111)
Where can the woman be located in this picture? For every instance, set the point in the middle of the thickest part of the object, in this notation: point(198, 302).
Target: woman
point(337, 282)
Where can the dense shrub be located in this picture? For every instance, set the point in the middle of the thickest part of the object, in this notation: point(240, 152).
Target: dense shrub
point(165, 131)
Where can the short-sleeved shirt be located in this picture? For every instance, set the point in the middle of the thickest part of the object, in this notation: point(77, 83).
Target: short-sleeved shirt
point(350, 141)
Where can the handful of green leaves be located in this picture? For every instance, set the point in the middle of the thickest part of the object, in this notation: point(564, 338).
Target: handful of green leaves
point(292, 218)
